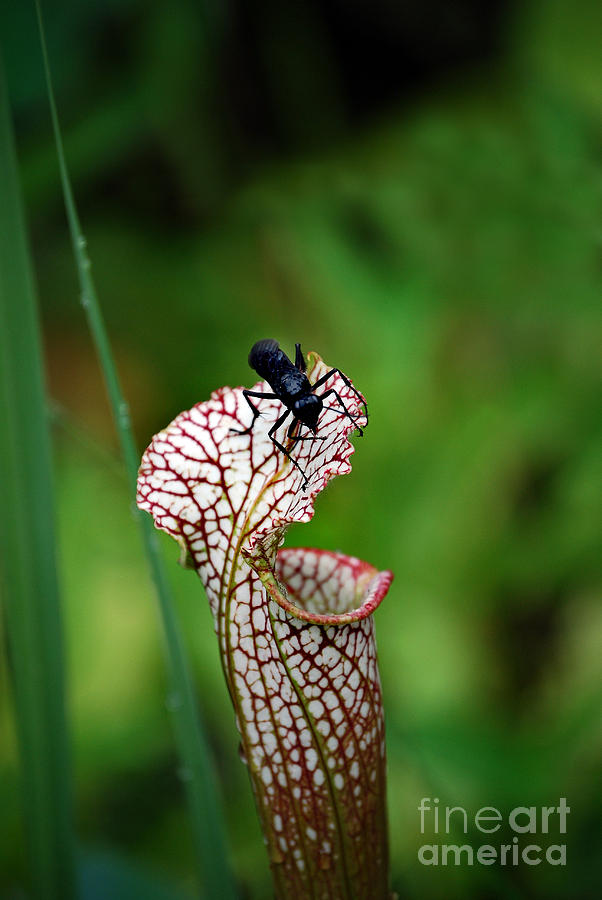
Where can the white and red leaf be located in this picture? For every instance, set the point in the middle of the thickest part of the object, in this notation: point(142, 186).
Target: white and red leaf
point(294, 627)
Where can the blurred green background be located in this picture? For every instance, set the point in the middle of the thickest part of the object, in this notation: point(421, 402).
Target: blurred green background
point(411, 190)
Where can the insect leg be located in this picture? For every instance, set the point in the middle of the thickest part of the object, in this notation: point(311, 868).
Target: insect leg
point(345, 410)
point(281, 447)
point(299, 359)
point(325, 378)
point(305, 437)
point(262, 396)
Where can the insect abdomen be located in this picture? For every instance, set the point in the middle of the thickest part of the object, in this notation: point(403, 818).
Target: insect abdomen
point(269, 361)
point(262, 355)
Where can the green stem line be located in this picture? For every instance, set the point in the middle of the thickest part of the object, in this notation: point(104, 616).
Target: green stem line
point(61, 419)
point(198, 775)
point(28, 571)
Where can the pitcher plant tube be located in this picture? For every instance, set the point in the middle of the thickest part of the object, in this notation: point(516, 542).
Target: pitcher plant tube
point(294, 626)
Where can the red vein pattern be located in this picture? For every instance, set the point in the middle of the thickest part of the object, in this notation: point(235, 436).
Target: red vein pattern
point(295, 632)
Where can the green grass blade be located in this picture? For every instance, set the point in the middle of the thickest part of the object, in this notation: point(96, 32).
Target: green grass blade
point(199, 779)
point(27, 553)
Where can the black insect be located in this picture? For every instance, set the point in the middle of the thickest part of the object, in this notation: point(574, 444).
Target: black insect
point(291, 386)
